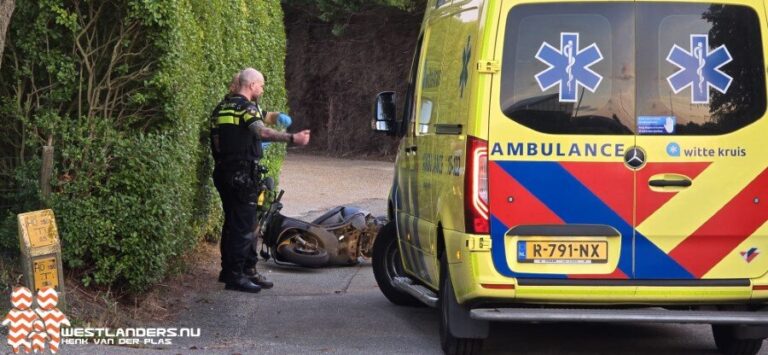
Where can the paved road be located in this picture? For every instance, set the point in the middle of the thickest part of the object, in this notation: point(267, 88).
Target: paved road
point(341, 310)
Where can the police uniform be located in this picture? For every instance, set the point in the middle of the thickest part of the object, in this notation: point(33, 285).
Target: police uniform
point(236, 150)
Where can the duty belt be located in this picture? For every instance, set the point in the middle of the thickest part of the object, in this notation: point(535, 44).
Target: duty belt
point(236, 164)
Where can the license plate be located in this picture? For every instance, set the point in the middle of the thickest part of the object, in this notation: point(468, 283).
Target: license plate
point(562, 252)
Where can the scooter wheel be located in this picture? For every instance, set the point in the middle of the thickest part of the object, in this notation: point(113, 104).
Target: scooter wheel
point(289, 253)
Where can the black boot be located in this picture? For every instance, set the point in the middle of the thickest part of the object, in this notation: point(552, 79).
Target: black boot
point(257, 278)
point(240, 282)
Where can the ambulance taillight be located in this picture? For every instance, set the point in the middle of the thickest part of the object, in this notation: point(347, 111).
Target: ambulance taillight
point(476, 189)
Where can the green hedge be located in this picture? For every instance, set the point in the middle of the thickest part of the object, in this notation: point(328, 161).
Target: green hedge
point(123, 90)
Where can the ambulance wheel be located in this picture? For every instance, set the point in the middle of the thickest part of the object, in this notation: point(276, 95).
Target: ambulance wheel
point(455, 319)
point(387, 265)
point(728, 343)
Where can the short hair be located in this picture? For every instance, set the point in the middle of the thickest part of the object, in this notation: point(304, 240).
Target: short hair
point(250, 75)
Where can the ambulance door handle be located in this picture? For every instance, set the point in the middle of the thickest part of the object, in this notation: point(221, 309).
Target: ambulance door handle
point(670, 183)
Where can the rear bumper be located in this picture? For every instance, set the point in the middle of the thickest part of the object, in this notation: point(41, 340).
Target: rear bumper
point(475, 279)
point(635, 315)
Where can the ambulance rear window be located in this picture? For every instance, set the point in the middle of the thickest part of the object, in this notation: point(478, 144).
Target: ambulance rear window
point(633, 68)
point(701, 66)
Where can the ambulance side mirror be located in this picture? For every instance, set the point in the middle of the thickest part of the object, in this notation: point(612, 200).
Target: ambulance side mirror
point(384, 113)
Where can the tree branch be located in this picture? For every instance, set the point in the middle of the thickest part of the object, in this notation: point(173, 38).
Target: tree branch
point(6, 11)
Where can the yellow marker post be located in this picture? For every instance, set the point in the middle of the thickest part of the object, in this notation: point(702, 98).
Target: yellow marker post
point(41, 251)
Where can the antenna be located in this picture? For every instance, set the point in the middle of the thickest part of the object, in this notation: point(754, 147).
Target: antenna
point(576, 112)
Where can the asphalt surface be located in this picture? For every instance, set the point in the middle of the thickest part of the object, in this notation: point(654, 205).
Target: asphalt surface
point(341, 310)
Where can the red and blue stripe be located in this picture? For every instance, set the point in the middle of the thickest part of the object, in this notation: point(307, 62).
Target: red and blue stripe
point(548, 193)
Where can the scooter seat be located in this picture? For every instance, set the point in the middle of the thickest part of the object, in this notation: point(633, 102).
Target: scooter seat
point(338, 216)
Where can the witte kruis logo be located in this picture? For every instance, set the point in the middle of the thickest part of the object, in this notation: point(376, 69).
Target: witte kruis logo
point(31, 330)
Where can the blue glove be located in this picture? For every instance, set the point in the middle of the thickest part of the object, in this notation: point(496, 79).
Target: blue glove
point(284, 120)
point(264, 146)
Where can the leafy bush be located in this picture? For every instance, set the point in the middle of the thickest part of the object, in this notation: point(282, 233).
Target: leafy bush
point(123, 90)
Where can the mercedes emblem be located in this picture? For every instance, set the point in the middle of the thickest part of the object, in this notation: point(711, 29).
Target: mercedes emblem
point(634, 158)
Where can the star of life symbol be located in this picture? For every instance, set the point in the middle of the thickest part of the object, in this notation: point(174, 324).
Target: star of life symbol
point(569, 67)
point(699, 69)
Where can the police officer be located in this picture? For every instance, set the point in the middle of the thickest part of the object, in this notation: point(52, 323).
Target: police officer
point(273, 117)
point(239, 127)
point(233, 88)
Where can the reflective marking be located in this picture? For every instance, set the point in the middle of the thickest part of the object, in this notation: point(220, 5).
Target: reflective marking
point(722, 233)
point(574, 202)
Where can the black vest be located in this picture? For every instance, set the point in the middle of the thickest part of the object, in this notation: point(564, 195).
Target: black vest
point(229, 125)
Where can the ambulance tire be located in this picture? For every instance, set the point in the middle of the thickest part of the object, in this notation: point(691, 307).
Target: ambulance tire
point(728, 344)
point(450, 310)
point(387, 265)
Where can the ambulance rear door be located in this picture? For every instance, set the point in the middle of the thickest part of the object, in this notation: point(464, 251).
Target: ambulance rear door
point(561, 122)
point(702, 193)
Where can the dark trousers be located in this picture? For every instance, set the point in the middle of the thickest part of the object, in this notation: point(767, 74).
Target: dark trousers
point(237, 241)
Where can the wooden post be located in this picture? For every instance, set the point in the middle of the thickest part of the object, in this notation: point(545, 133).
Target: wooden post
point(41, 252)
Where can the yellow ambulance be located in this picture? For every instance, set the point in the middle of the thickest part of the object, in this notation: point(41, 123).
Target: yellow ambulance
point(602, 161)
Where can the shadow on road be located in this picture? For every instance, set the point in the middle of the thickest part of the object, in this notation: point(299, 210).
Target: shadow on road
point(587, 338)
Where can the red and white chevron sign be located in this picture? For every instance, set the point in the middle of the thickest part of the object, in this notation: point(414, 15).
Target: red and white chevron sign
point(32, 329)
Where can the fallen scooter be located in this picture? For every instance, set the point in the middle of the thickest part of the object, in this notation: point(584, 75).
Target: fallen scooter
point(342, 236)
